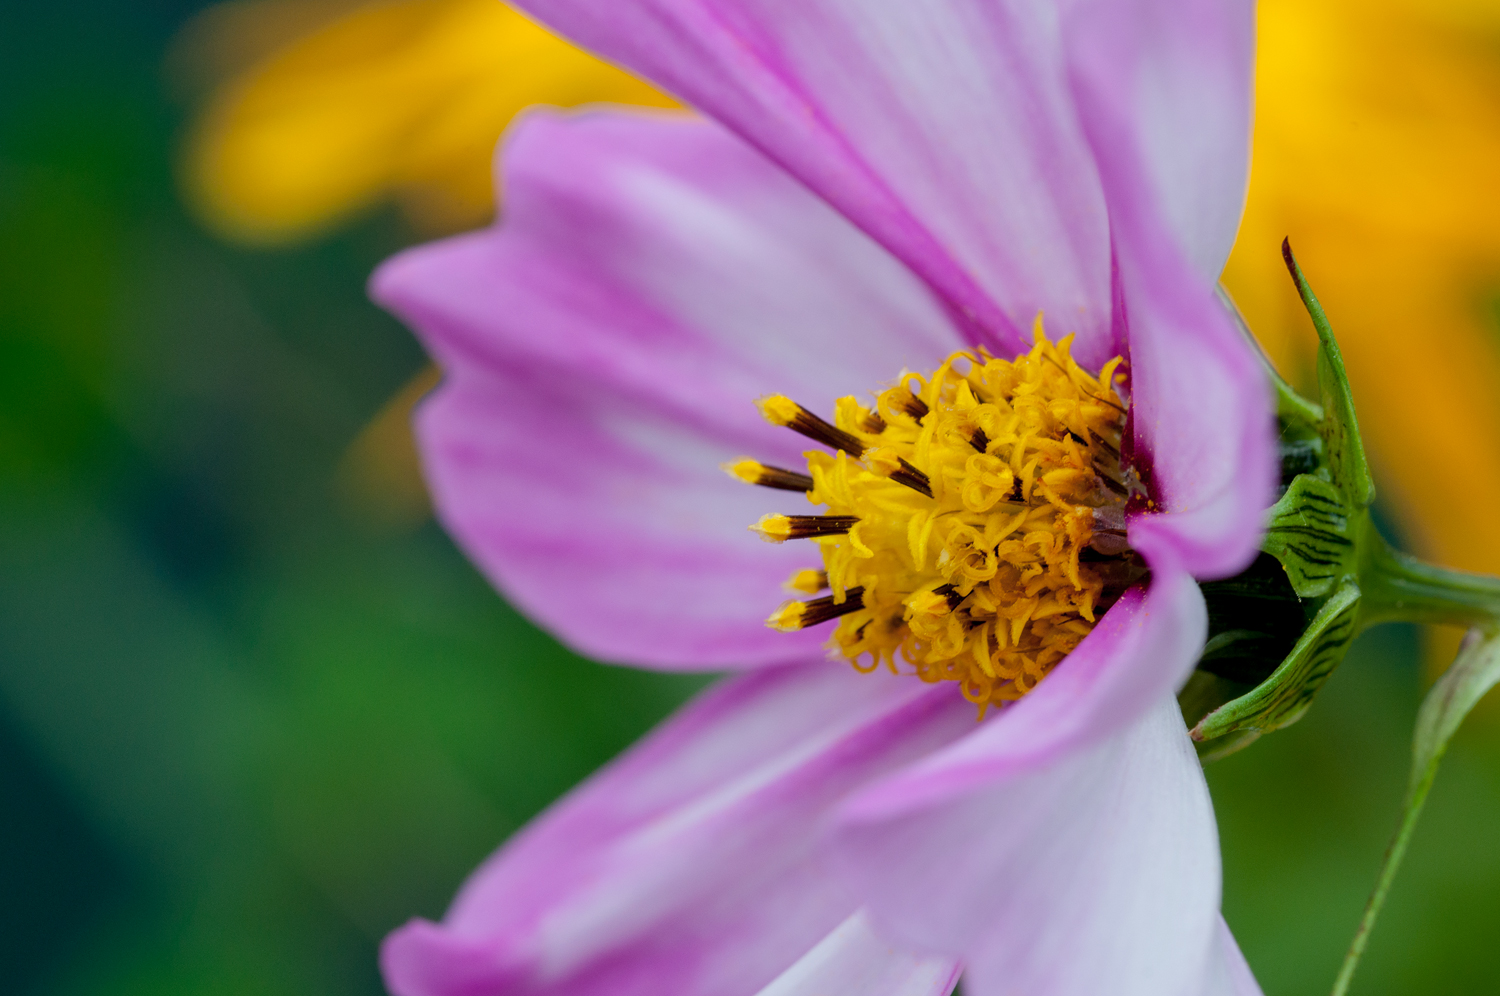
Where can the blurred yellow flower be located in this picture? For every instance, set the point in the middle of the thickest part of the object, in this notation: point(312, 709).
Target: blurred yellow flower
point(364, 102)
point(1377, 150)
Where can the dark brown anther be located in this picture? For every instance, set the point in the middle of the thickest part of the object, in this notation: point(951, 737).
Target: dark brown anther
point(873, 423)
point(812, 526)
point(1077, 438)
point(1112, 484)
point(1105, 401)
point(912, 478)
point(979, 440)
point(1105, 444)
point(819, 431)
point(913, 406)
point(781, 479)
point(951, 594)
point(820, 610)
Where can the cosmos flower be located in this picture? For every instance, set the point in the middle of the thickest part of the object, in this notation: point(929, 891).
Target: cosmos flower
point(1376, 157)
point(1008, 511)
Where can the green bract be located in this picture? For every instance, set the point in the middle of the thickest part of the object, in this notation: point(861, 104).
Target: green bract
point(1278, 629)
point(1301, 600)
point(1325, 574)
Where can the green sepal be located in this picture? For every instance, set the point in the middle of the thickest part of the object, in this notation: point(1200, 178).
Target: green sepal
point(1340, 430)
point(1222, 747)
point(1291, 407)
point(1313, 533)
point(1282, 698)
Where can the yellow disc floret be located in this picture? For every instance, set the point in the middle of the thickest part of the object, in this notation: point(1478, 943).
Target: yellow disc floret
point(974, 518)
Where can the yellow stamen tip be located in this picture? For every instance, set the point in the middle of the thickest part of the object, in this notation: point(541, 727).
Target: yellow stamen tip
point(778, 409)
point(788, 618)
point(745, 469)
point(773, 528)
point(809, 581)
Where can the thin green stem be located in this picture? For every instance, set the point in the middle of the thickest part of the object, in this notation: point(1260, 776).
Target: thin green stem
point(1416, 796)
point(1474, 672)
point(1399, 587)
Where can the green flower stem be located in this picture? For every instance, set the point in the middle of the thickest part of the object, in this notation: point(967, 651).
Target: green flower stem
point(1416, 797)
point(1322, 534)
point(1400, 588)
point(1475, 671)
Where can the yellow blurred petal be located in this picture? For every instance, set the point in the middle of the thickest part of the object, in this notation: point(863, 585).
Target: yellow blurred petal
point(227, 39)
point(403, 98)
point(1377, 145)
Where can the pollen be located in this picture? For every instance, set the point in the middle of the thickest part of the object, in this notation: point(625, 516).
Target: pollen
point(973, 523)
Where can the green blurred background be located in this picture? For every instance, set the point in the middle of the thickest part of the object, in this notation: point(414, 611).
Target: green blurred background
point(246, 730)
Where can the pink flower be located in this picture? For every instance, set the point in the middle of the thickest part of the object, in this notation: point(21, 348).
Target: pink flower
point(881, 183)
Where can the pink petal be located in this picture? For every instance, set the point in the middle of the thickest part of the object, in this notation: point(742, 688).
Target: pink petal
point(691, 864)
point(1096, 873)
point(1069, 842)
point(944, 128)
point(1143, 649)
point(603, 347)
point(1163, 91)
point(1177, 76)
point(853, 959)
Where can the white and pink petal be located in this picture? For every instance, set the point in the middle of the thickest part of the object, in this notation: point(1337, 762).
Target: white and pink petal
point(944, 128)
point(693, 864)
point(1098, 872)
point(1069, 842)
point(855, 959)
point(1163, 89)
point(602, 348)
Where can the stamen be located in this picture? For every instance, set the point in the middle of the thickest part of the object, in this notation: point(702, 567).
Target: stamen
point(793, 616)
point(912, 478)
point(809, 581)
point(781, 410)
point(1105, 401)
point(1005, 541)
point(1112, 484)
point(779, 528)
point(1105, 445)
point(951, 594)
point(755, 472)
point(887, 463)
point(912, 405)
point(1109, 535)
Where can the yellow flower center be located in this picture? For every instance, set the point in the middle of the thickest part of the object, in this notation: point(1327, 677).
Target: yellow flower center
point(975, 518)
